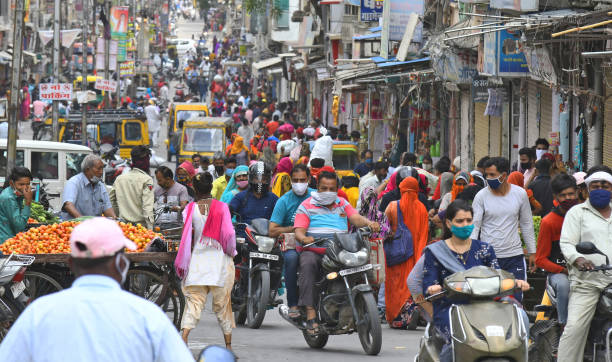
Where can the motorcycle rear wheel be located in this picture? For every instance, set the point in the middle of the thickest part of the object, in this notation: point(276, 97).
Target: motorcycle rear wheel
point(257, 303)
point(370, 332)
point(317, 342)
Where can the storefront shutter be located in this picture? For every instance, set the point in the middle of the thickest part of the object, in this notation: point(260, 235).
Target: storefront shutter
point(481, 132)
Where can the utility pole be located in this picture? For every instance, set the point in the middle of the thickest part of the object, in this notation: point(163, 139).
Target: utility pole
point(15, 82)
point(56, 65)
point(84, 75)
point(107, 54)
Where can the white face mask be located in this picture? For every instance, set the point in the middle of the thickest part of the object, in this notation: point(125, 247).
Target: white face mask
point(324, 198)
point(299, 188)
point(540, 153)
point(123, 271)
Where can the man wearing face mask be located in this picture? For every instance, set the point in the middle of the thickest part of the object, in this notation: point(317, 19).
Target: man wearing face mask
point(257, 201)
point(220, 183)
point(527, 159)
point(589, 221)
point(548, 254)
point(367, 164)
point(217, 168)
point(321, 216)
point(109, 320)
point(282, 221)
point(541, 147)
point(132, 194)
point(85, 194)
point(499, 211)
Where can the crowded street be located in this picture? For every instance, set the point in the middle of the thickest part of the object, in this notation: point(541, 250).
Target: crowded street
point(328, 180)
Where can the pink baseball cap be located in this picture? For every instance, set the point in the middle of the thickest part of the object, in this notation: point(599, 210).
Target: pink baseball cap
point(97, 238)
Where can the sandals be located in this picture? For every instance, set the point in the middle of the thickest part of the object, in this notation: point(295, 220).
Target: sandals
point(312, 327)
point(294, 313)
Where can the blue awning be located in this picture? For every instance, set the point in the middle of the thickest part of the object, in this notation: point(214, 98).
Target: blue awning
point(367, 36)
point(378, 59)
point(376, 28)
point(394, 63)
point(353, 2)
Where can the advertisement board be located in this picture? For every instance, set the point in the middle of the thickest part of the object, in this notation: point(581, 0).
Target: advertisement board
point(371, 10)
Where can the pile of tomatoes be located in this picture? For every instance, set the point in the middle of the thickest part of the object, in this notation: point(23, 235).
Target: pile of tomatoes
point(54, 238)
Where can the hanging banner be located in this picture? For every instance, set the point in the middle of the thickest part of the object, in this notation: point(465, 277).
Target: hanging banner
point(55, 91)
point(540, 64)
point(126, 69)
point(107, 85)
point(503, 56)
point(66, 36)
point(371, 10)
point(119, 29)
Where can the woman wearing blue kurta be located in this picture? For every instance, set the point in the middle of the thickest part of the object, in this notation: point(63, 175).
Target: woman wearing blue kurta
point(238, 183)
point(456, 252)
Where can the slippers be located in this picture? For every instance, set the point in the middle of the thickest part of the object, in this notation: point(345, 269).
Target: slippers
point(294, 313)
point(312, 327)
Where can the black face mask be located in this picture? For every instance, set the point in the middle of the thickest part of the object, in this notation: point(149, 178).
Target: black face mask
point(525, 165)
point(220, 170)
point(259, 188)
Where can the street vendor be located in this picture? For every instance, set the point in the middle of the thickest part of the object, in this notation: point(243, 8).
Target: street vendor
point(15, 202)
point(85, 194)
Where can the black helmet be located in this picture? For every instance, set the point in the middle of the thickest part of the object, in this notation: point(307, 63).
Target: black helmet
point(260, 176)
point(408, 171)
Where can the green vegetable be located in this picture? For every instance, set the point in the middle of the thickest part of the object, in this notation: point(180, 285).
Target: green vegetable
point(38, 212)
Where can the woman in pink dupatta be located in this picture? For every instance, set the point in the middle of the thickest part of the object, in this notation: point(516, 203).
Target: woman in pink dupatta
point(205, 259)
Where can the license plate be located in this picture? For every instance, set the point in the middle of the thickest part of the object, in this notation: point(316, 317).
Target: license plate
point(263, 256)
point(356, 270)
point(17, 289)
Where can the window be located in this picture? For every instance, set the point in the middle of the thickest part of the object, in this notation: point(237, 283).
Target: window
point(282, 21)
point(3, 157)
point(108, 133)
point(189, 115)
point(45, 165)
point(203, 139)
point(133, 131)
point(344, 160)
point(73, 163)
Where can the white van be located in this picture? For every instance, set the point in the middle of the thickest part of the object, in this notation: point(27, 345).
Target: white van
point(52, 162)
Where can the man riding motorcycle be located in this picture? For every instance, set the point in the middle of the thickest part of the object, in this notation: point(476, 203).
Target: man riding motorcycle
point(589, 221)
point(321, 216)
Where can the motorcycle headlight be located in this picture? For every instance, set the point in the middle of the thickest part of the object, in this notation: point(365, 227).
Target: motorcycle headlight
point(353, 259)
point(484, 286)
point(264, 243)
point(460, 287)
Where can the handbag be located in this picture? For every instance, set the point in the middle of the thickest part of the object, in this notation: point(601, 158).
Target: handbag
point(399, 248)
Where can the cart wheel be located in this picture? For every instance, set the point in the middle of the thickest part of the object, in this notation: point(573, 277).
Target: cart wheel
point(39, 284)
point(155, 287)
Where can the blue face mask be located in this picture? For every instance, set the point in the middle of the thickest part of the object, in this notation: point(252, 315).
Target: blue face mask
point(599, 198)
point(229, 172)
point(462, 232)
point(369, 160)
point(494, 183)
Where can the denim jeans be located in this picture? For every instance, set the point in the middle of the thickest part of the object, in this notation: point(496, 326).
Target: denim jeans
point(381, 296)
point(561, 285)
point(290, 266)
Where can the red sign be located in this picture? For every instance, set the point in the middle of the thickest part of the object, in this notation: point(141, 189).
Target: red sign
point(55, 91)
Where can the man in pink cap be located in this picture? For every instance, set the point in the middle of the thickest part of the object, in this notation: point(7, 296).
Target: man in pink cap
point(94, 320)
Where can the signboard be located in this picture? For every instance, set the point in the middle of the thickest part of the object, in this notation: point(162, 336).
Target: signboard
point(480, 89)
point(126, 69)
point(119, 29)
point(400, 14)
point(457, 66)
point(371, 10)
point(554, 139)
point(516, 5)
point(107, 85)
point(55, 91)
point(539, 64)
point(503, 55)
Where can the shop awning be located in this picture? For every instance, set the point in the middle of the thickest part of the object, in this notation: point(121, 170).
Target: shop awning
point(376, 28)
point(266, 63)
point(353, 2)
point(396, 63)
point(367, 36)
point(356, 72)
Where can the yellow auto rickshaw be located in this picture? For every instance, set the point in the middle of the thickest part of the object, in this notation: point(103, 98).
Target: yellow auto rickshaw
point(91, 82)
point(185, 112)
point(345, 156)
point(121, 128)
point(203, 136)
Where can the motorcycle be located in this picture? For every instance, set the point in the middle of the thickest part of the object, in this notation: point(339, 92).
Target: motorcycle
point(13, 300)
point(259, 265)
point(345, 301)
point(545, 333)
point(483, 329)
point(38, 123)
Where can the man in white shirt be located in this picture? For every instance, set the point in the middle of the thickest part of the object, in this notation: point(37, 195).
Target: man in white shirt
point(153, 121)
point(499, 210)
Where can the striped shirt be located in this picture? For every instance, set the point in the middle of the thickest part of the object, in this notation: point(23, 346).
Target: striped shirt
point(322, 222)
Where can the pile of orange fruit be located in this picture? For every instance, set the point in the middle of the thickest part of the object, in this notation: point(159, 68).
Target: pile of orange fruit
point(54, 239)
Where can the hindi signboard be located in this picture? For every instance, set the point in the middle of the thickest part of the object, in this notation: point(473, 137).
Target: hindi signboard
point(371, 10)
point(55, 91)
point(107, 85)
point(126, 69)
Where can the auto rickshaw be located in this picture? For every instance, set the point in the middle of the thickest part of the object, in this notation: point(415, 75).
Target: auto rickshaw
point(91, 83)
point(345, 156)
point(203, 136)
point(121, 128)
point(180, 113)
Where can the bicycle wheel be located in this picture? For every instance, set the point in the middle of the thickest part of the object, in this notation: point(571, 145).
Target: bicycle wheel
point(39, 284)
point(155, 287)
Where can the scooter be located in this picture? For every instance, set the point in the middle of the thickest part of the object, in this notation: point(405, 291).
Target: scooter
point(345, 300)
point(546, 333)
point(483, 329)
point(13, 300)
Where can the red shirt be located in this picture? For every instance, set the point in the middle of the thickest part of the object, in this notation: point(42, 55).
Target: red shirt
point(548, 239)
point(272, 127)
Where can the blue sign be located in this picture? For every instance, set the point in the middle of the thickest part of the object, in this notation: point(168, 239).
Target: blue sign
point(510, 53)
point(371, 10)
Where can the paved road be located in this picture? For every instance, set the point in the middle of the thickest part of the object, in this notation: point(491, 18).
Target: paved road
point(277, 340)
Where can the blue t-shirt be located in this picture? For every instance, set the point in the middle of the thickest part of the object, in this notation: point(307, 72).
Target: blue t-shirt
point(250, 207)
point(284, 211)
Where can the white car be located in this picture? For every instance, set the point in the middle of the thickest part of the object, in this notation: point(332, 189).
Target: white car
point(183, 45)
